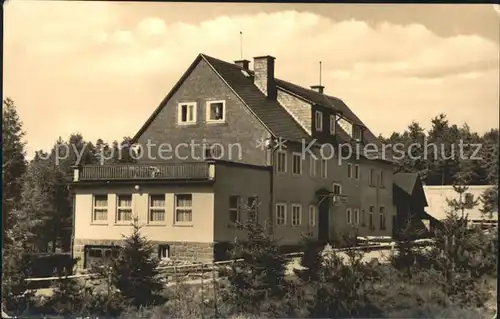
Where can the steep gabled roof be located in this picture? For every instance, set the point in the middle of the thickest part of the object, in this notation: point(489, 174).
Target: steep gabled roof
point(269, 112)
point(275, 117)
point(406, 181)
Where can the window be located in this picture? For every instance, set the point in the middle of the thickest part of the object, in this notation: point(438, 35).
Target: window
point(337, 189)
point(312, 166)
point(280, 214)
point(100, 209)
point(363, 217)
point(297, 163)
point(157, 208)
point(214, 152)
point(382, 217)
point(324, 168)
point(349, 170)
point(356, 171)
point(216, 111)
point(234, 209)
point(348, 216)
point(318, 120)
point(124, 208)
point(296, 214)
point(312, 216)
point(382, 179)
point(356, 132)
point(186, 113)
point(183, 208)
point(370, 216)
point(163, 251)
point(252, 209)
point(371, 180)
point(333, 123)
point(281, 162)
point(356, 216)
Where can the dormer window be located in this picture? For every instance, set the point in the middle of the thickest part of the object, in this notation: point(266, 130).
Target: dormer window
point(216, 111)
point(356, 132)
point(333, 122)
point(318, 121)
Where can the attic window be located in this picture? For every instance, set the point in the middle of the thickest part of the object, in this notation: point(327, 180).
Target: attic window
point(186, 113)
point(318, 120)
point(245, 73)
point(356, 132)
point(216, 111)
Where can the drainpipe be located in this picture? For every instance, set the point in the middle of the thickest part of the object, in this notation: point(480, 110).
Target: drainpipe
point(271, 147)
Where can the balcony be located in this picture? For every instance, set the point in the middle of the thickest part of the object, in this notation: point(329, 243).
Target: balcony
point(127, 172)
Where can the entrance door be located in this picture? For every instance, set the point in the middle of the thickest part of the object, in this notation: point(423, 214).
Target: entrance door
point(324, 220)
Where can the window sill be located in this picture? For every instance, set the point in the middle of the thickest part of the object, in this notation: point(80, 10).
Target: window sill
point(296, 174)
point(182, 225)
point(97, 223)
point(156, 224)
point(187, 124)
point(125, 223)
point(216, 122)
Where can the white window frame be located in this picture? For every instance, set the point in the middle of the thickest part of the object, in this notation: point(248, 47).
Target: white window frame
point(339, 186)
point(348, 216)
point(312, 216)
point(357, 132)
point(152, 208)
point(179, 113)
point(283, 206)
point(357, 172)
point(312, 166)
point(318, 121)
point(280, 169)
point(356, 216)
point(207, 111)
point(293, 214)
point(324, 168)
point(371, 177)
point(294, 156)
point(371, 212)
point(253, 209)
point(382, 216)
point(235, 209)
point(349, 170)
point(183, 208)
point(119, 208)
point(333, 124)
point(100, 209)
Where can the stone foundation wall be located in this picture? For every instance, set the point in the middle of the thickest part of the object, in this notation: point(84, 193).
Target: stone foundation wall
point(182, 251)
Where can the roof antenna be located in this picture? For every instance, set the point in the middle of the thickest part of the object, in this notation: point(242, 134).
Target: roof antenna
point(319, 72)
point(241, 43)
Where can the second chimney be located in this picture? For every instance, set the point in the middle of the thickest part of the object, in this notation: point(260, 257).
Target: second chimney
point(318, 88)
point(245, 64)
point(263, 68)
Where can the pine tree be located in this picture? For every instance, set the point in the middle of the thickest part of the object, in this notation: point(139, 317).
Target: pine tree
point(135, 273)
point(311, 259)
point(13, 161)
point(45, 201)
point(260, 277)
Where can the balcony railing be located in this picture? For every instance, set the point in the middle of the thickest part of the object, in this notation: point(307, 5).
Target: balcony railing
point(173, 171)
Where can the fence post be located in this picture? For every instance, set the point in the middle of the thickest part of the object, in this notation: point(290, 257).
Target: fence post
point(216, 314)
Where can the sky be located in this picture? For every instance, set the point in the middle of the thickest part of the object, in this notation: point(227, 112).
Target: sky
point(101, 68)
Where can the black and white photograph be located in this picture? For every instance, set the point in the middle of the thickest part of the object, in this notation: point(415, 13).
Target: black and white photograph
point(249, 160)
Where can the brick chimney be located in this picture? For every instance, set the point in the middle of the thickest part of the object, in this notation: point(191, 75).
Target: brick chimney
point(318, 88)
point(245, 64)
point(263, 68)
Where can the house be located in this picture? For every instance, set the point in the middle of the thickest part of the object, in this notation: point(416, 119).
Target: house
point(230, 144)
point(411, 218)
point(438, 196)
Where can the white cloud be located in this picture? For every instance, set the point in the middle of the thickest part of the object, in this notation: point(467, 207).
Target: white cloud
point(87, 65)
